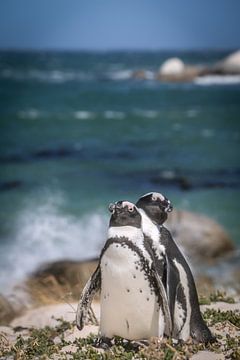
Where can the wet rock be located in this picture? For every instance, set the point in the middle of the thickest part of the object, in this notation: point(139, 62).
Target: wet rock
point(200, 238)
point(10, 185)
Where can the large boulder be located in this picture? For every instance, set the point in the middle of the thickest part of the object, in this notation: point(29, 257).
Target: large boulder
point(59, 281)
point(200, 238)
point(172, 66)
point(174, 70)
point(229, 65)
point(7, 311)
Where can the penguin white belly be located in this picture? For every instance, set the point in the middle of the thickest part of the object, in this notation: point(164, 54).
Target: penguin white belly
point(129, 306)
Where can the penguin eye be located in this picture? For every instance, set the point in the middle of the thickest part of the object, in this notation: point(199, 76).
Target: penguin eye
point(154, 198)
point(130, 209)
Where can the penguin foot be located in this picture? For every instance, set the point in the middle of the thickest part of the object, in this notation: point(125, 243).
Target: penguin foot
point(211, 340)
point(103, 342)
point(177, 342)
point(135, 345)
point(204, 337)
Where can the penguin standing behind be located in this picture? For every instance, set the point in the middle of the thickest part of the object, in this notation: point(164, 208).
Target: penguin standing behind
point(133, 300)
point(180, 286)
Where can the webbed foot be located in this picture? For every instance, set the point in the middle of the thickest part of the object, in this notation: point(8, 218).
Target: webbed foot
point(103, 342)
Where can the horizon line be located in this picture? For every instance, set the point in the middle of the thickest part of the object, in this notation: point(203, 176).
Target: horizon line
point(108, 50)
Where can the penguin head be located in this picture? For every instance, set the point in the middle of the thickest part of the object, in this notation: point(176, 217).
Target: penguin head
point(156, 206)
point(124, 213)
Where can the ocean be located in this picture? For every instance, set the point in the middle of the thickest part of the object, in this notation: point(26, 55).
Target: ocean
point(77, 132)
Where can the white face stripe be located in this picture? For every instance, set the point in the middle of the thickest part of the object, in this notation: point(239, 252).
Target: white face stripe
point(155, 194)
point(128, 204)
point(158, 196)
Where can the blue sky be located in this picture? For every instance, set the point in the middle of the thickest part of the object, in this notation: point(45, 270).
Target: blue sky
point(119, 24)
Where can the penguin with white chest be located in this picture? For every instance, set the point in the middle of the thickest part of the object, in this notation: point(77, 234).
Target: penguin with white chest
point(133, 300)
point(179, 283)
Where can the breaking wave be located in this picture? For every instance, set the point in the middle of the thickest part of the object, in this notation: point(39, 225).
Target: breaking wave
point(43, 233)
point(217, 80)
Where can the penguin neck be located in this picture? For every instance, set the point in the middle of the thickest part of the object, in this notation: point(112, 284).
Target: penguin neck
point(130, 232)
point(149, 228)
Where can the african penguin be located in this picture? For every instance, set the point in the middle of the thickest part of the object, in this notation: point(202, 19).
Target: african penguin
point(133, 300)
point(180, 286)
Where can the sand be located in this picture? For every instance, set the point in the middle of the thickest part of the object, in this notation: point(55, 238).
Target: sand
point(47, 315)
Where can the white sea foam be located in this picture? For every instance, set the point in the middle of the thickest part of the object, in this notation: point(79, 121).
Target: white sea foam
point(110, 114)
point(207, 133)
point(191, 113)
point(217, 80)
point(119, 75)
point(29, 114)
point(151, 114)
point(42, 233)
point(83, 115)
point(177, 127)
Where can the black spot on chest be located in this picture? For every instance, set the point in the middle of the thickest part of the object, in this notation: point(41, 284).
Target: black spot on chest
point(142, 264)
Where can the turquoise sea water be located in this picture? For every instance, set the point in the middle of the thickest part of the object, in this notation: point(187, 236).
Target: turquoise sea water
point(77, 133)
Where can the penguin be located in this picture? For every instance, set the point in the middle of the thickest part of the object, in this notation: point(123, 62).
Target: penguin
point(133, 300)
point(179, 283)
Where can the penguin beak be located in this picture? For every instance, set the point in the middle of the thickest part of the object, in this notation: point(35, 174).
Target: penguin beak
point(112, 208)
point(169, 208)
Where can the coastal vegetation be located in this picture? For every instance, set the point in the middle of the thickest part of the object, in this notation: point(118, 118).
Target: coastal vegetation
point(63, 342)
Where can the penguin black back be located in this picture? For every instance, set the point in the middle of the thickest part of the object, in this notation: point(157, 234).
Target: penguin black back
point(181, 285)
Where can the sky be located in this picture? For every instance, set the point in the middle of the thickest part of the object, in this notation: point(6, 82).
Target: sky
point(119, 24)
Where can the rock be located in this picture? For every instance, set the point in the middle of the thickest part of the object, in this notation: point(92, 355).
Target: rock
point(174, 70)
point(10, 185)
point(7, 312)
point(229, 65)
point(172, 66)
point(59, 281)
point(143, 75)
point(207, 355)
point(199, 237)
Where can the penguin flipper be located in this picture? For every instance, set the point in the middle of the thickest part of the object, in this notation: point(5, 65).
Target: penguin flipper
point(165, 305)
point(172, 287)
point(92, 286)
